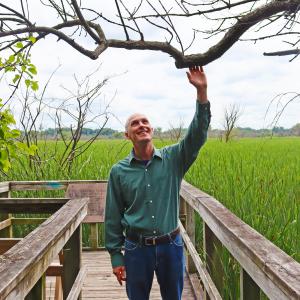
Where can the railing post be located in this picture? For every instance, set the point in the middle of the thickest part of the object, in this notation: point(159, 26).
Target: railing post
point(212, 251)
point(182, 211)
point(190, 229)
point(6, 232)
point(94, 236)
point(71, 261)
point(38, 292)
point(249, 290)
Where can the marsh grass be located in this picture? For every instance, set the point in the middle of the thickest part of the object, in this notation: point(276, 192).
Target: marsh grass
point(257, 179)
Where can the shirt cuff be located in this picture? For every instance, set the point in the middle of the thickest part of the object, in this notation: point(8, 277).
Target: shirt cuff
point(117, 259)
point(202, 107)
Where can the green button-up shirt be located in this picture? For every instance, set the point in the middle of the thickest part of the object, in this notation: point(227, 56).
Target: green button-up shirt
point(144, 199)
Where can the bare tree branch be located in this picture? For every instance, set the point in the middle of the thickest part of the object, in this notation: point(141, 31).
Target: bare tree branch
point(231, 19)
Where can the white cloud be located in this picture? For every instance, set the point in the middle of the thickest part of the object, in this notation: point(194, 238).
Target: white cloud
point(149, 81)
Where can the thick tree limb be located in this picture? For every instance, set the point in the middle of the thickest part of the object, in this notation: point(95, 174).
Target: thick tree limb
point(272, 11)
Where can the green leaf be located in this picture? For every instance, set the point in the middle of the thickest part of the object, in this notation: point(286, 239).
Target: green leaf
point(19, 45)
point(5, 165)
point(10, 59)
point(3, 154)
point(32, 149)
point(15, 133)
point(32, 70)
point(16, 78)
point(21, 146)
point(32, 39)
point(27, 82)
point(2, 134)
point(34, 85)
point(8, 69)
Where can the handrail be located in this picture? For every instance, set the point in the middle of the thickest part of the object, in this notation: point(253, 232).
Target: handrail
point(24, 264)
point(276, 273)
point(264, 266)
point(46, 184)
point(4, 187)
point(204, 275)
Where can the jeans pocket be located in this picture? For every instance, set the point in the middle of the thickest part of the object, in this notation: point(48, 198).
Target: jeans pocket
point(178, 241)
point(130, 246)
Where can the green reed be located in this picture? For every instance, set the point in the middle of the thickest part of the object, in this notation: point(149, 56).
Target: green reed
point(257, 179)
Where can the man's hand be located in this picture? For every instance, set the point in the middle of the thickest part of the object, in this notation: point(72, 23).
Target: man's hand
point(120, 273)
point(197, 78)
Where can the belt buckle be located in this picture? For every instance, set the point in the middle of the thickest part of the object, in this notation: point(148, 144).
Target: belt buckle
point(150, 241)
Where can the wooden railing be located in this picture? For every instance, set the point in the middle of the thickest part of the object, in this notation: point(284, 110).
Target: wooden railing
point(93, 189)
point(24, 263)
point(263, 265)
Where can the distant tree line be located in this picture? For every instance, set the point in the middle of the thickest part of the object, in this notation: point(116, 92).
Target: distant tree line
point(175, 133)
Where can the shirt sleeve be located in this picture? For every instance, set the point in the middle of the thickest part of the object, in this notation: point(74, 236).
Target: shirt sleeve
point(114, 210)
point(188, 148)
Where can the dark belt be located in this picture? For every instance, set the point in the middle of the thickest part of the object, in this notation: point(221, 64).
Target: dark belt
point(153, 240)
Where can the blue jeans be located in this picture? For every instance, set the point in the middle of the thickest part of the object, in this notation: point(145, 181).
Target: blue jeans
point(166, 260)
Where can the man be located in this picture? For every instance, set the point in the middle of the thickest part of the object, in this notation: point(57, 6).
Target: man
point(142, 204)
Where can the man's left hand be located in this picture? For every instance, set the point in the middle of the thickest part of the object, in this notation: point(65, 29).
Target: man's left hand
point(198, 79)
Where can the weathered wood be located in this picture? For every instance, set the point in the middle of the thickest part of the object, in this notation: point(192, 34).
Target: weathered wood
point(47, 185)
point(94, 235)
point(77, 286)
point(7, 243)
point(182, 212)
point(101, 284)
point(249, 290)
point(212, 251)
point(196, 285)
point(4, 187)
point(38, 292)
point(23, 265)
point(27, 221)
point(204, 275)
point(7, 232)
point(190, 229)
point(58, 295)
point(96, 192)
point(4, 224)
point(55, 269)
point(276, 273)
point(31, 205)
point(71, 262)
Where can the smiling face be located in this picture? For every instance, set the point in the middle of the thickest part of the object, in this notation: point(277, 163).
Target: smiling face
point(138, 129)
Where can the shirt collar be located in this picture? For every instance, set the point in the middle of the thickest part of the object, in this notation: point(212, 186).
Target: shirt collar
point(155, 153)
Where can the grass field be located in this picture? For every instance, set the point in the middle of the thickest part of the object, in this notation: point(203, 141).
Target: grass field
point(257, 179)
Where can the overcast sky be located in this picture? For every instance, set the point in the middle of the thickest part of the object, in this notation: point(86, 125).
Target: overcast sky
point(148, 82)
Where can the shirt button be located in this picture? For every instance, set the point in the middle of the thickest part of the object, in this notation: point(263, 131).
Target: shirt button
point(146, 170)
point(149, 185)
point(150, 201)
point(154, 231)
point(152, 217)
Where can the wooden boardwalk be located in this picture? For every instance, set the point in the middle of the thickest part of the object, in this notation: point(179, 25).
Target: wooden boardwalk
point(100, 283)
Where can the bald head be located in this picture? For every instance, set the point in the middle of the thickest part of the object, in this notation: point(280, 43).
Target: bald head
point(132, 117)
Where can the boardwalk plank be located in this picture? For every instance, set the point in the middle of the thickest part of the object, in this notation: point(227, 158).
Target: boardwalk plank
point(101, 284)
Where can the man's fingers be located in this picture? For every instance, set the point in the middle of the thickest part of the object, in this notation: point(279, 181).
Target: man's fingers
point(120, 273)
point(124, 275)
point(196, 69)
point(119, 280)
